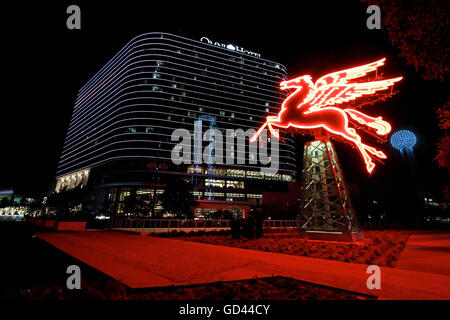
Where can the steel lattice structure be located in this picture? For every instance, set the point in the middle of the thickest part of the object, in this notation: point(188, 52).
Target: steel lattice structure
point(326, 211)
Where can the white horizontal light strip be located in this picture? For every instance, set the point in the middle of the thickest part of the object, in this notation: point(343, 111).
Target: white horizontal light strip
point(214, 56)
point(258, 110)
point(64, 160)
point(91, 110)
point(107, 72)
point(282, 171)
point(64, 167)
point(102, 145)
point(93, 91)
point(70, 141)
point(239, 71)
point(277, 71)
point(95, 136)
point(85, 111)
point(205, 103)
point(168, 150)
point(110, 64)
point(149, 134)
point(223, 64)
point(158, 80)
point(124, 76)
point(200, 45)
point(282, 76)
point(221, 51)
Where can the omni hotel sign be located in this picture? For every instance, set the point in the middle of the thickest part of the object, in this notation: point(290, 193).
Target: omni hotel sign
point(230, 47)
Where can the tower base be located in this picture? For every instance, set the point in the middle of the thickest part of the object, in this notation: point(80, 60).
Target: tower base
point(326, 212)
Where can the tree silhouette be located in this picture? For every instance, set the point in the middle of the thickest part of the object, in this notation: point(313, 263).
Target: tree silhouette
point(5, 202)
point(178, 198)
point(130, 203)
point(443, 146)
point(69, 203)
point(420, 30)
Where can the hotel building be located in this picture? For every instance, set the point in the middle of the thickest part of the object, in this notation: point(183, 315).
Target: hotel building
point(119, 137)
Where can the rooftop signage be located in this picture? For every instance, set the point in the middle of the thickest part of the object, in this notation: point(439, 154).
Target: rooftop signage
point(230, 47)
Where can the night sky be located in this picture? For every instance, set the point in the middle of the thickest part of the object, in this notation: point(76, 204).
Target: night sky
point(46, 64)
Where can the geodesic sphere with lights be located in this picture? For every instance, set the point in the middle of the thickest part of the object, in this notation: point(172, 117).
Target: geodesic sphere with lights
point(403, 140)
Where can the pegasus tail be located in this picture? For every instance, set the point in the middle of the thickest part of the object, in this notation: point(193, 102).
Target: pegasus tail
point(382, 127)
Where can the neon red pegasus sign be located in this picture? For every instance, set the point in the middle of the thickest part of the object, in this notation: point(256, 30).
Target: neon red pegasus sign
point(310, 106)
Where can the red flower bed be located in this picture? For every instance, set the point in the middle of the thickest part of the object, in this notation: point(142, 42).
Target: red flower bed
point(380, 247)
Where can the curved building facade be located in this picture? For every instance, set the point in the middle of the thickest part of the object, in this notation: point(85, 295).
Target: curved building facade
point(119, 137)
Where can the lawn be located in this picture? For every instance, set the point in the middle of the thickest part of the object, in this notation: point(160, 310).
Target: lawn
point(379, 247)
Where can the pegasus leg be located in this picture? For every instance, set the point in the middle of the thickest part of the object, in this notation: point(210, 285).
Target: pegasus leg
point(356, 139)
point(257, 133)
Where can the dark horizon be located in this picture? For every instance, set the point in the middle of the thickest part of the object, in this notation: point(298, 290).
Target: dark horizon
point(48, 64)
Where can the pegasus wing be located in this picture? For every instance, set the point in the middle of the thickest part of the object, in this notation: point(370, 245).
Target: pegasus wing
point(344, 75)
point(338, 93)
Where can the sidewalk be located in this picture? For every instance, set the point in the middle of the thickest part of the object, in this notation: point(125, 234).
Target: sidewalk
point(427, 252)
point(141, 262)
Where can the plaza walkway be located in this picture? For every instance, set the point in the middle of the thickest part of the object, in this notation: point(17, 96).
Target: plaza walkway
point(142, 261)
point(427, 251)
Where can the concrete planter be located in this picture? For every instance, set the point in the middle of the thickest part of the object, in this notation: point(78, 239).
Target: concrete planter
point(70, 226)
point(50, 224)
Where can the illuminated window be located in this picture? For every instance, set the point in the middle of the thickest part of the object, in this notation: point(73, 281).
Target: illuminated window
point(254, 196)
point(255, 174)
point(273, 176)
point(235, 184)
point(235, 173)
point(214, 183)
point(197, 170)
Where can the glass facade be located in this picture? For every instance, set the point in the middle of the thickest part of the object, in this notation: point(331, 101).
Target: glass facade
point(125, 114)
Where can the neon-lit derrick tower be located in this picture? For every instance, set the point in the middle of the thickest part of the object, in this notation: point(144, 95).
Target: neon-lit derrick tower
point(325, 109)
point(326, 210)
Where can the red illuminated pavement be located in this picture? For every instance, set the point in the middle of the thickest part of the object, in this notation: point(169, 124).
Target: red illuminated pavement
point(427, 252)
point(142, 261)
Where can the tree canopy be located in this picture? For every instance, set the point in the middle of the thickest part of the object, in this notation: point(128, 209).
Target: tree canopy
point(420, 30)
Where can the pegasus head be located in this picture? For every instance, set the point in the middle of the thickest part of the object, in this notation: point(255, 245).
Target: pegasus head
point(302, 81)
